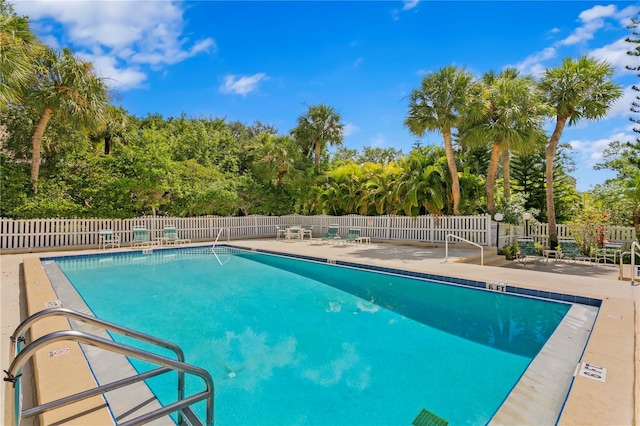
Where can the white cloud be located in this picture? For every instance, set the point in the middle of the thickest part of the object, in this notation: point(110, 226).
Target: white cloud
point(124, 36)
point(621, 107)
point(592, 20)
point(410, 4)
point(357, 62)
point(532, 64)
point(626, 13)
point(615, 54)
point(597, 12)
point(584, 33)
point(591, 151)
point(116, 78)
point(242, 85)
point(350, 129)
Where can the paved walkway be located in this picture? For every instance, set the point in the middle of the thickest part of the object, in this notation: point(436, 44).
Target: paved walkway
point(590, 281)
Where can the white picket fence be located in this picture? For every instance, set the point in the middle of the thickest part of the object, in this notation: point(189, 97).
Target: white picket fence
point(539, 233)
point(53, 233)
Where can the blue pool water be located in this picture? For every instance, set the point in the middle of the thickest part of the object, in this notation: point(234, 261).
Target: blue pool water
point(294, 342)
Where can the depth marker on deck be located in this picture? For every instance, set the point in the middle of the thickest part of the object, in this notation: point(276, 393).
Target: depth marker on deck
point(594, 372)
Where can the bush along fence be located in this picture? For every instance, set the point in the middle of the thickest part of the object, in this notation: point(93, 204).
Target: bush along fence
point(60, 233)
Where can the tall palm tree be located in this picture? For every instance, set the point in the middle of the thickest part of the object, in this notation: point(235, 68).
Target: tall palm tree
point(507, 114)
point(576, 89)
point(319, 127)
point(19, 50)
point(69, 89)
point(438, 105)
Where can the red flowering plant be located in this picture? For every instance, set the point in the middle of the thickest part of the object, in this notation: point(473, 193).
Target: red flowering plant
point(601, 236)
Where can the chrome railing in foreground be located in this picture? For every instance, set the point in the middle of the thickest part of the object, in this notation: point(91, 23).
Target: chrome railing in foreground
point(21, 356)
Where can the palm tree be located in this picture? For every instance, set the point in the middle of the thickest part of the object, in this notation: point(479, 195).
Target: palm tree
point(318, 127)
point(577, 89)
point(68, 89)
point(19, 50)
point(275, 153)
point(112, 129)
point(507, 114)
point(438, 105)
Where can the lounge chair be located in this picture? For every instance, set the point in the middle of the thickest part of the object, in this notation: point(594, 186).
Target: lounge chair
point(108, 239)
point(141, 237)
point(331, 235)
point(610, 251)
point(308, 230)
point(570, 251)
point(171, 236)
point(352, 237)
point(527, 250)
point(281, 231)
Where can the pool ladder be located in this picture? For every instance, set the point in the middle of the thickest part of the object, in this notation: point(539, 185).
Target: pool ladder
point(181, 406)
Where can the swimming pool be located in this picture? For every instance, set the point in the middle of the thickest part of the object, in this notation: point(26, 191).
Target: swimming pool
point(287, 348)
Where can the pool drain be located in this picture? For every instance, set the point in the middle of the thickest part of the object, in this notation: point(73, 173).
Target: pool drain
point(427, 418)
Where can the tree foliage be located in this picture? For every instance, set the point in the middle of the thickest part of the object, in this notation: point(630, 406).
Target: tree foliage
point(576, 90)
point(67, 151)
point(319, 127)
point(439, 105)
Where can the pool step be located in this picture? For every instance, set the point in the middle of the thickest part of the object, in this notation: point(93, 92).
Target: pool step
point(490, 259)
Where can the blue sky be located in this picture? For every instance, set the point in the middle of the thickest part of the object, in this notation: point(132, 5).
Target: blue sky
point(268, 61)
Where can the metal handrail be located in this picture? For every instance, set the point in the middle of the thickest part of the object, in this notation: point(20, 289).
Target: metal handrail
point(213, 247)
point(18, 335)
point(218, 236)
point(633, 261)
point(446, 247)
point(22, 356)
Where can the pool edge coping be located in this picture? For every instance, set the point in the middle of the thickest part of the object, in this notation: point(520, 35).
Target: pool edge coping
point(587, 398)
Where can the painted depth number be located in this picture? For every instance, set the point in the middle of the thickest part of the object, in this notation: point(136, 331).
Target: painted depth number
point(501, 287)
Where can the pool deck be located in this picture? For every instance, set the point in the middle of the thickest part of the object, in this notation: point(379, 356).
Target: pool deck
point(613, 343)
